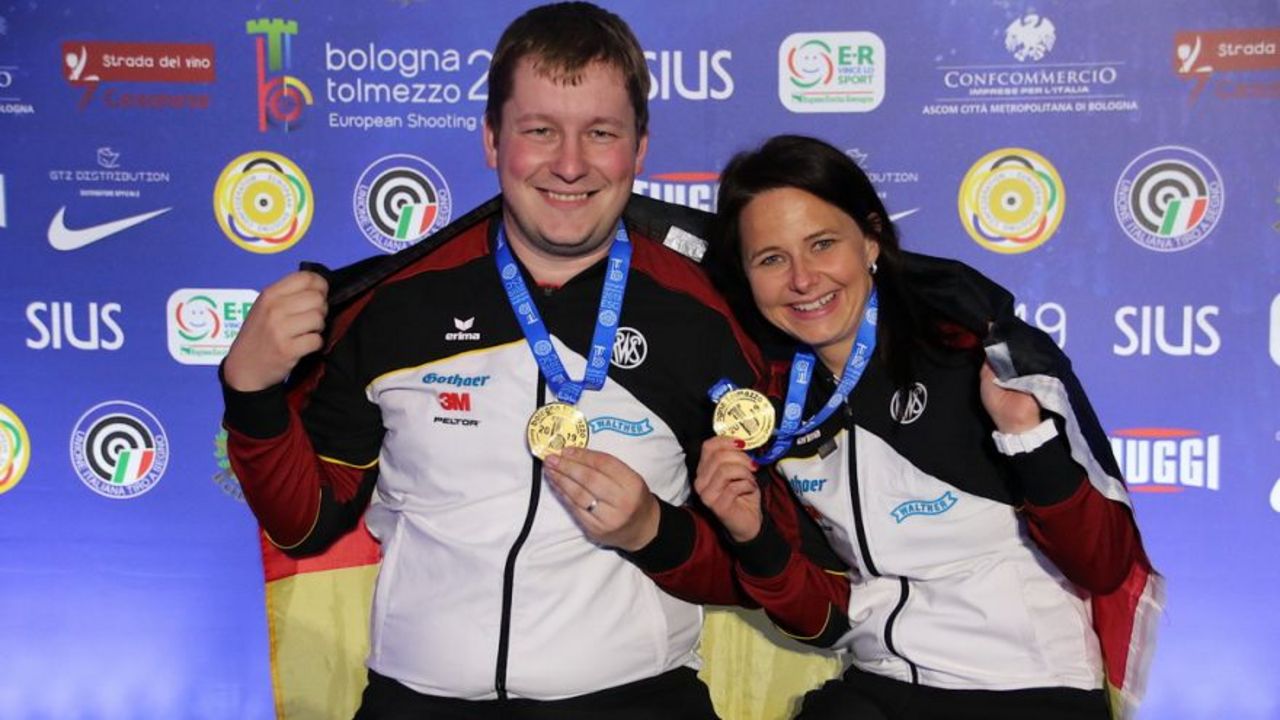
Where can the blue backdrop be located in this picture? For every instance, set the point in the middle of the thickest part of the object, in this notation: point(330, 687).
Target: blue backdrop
point(1114, 163)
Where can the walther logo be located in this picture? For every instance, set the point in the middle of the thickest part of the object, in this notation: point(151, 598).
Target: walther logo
point(1166, 460)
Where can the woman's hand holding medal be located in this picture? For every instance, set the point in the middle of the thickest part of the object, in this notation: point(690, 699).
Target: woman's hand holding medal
point(726, 483)
point(610, 501)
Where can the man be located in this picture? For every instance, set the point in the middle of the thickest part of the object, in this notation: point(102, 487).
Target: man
point(496, 597)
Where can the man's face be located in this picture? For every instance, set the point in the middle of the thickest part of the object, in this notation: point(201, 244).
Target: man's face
point(566, 157)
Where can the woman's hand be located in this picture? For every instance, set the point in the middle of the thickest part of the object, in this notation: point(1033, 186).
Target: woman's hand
point(726, 483)
point(610, 501)
point(1012, 411)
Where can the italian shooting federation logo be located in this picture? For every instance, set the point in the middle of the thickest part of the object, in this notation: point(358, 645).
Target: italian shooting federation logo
point(401, 199)
point(1011, 201)
point(263, 202)
point(15, 449)
point(119, 449)
point(1169, 198)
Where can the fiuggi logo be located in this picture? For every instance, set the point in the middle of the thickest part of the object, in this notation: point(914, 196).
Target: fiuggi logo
point(691, 189)
point(1167, 460)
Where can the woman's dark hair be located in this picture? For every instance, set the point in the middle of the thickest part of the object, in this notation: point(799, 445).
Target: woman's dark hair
point(804, 163)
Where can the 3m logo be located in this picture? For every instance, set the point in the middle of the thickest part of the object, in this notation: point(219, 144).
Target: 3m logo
point(456, 402)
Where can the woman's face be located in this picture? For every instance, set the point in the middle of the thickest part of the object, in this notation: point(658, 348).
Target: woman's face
point(808, 266)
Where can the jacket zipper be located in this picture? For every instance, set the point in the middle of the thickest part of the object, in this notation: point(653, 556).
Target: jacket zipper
point(863, 548)
point(509, 572)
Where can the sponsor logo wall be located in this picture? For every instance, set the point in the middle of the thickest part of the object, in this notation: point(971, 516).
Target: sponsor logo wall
point(160, 167)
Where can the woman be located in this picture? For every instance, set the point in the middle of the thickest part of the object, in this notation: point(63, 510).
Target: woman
point(990, 562)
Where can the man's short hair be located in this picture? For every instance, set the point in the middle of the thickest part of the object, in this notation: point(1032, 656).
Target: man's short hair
point(562, 39)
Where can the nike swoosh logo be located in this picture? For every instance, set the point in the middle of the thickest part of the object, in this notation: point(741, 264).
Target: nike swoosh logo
point(899, 215)
point(62, 237)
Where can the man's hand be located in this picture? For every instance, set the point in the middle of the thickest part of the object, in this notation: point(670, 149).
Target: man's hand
point(283, 326)
point(726, 483)
point(610, 501)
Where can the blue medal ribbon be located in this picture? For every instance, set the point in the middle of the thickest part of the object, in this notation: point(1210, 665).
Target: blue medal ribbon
point(802, 365)
point(535, 330)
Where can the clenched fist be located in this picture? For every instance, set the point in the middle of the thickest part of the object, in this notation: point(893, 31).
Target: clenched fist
point(284, 325)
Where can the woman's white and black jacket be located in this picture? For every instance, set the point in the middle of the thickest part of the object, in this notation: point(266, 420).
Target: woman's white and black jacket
point(417, 412)
point(947, 562)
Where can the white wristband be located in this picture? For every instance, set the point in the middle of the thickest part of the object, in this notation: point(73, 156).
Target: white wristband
point(1023, 442)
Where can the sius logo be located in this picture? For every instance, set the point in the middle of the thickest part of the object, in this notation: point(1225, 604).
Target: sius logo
point(908, 409)
point(1195, 334)
point(629, 348)
point(1030, 37)
point(55, 323)
point(807, 485)
point(633, 428)
point(1165, 460)
point(831, 72)
point(669, 75)
point(462, 326)
point(937, 506)
point(281, 98)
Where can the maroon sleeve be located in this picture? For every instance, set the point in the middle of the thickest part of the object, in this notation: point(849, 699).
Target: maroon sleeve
point(791, 572)
point(1091, 539)
point(688, 559)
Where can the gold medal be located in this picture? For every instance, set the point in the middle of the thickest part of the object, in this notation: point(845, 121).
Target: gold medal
point(746, 415)
point(554, 427)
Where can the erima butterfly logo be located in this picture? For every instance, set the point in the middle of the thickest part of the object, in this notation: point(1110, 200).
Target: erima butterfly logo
point(463, 326)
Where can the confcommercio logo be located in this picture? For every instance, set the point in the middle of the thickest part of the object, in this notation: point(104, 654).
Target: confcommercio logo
point(90, 64)
point(1167, 460)
point(15, 449)
point(1011, 201)
point(119, 449)
point(1169, 198)
point(401, 199)
point(281, 96)
point(831, 72)
point(263, 202)
point(202, 323)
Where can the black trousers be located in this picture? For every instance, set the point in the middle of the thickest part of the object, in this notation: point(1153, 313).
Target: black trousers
point(674, 695)
point(867, 696)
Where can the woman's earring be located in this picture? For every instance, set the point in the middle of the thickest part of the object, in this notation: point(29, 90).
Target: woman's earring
point(873, 267)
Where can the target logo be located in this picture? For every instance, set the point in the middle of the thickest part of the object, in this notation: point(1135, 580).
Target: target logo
point(263, 202)
point(1011, 201)
point(119, 449)
point(1169, 198)
point(399, 200)
point(15, 449)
